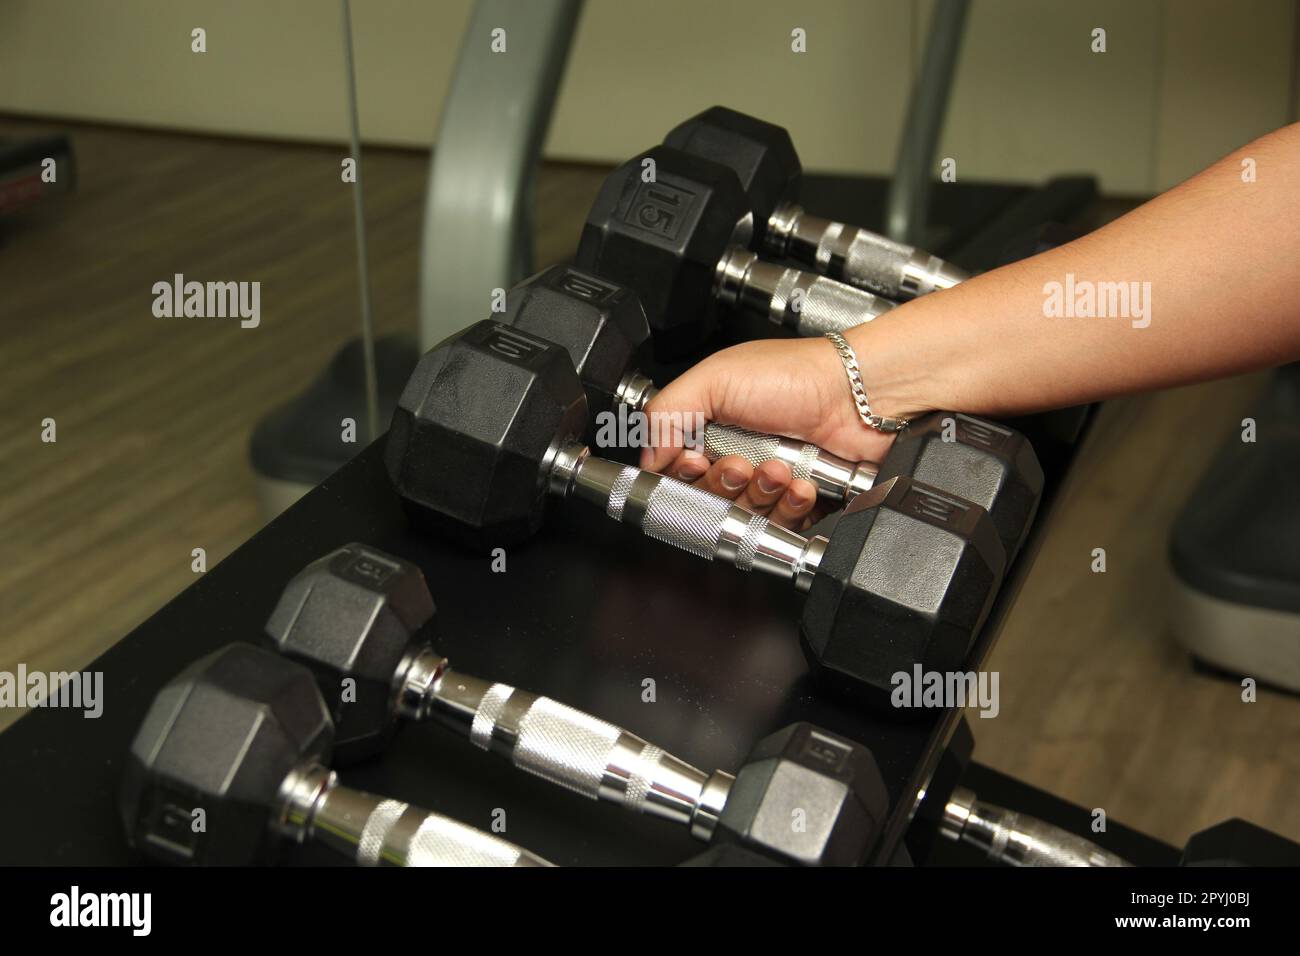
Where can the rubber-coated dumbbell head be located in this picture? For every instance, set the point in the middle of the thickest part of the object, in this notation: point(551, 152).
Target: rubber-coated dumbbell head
point(808, 797)
point(981, 461)
point(907, 577)
point(730, 855)
point(1238, 842)
point(663, 240)
point(220, 738)
point(761, 154)
point(351, 617)
point(601, 324)
point(471, 434)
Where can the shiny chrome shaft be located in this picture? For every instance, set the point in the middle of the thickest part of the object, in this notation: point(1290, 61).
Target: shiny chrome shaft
point(836, 478)
point(686, 517)
point(1016, 840)
point(375, 831)
point(864, 259)
point(808, 303)
point(565, 746)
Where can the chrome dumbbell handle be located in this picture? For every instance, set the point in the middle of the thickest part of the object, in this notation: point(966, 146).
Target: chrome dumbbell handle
point(565, 746)
point(836, 478)
point(808, 303)
point(1016, 840)
point(376, 831)
point(686, 517)
point(863, 259)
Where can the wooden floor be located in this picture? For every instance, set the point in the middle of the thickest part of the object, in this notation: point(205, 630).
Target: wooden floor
point(153, 419)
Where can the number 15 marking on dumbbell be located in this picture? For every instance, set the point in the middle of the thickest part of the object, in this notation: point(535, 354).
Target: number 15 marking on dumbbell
point(660, 208)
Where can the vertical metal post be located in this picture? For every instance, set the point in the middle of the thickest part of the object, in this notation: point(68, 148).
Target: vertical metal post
point(478, 209)
point(909, 193)
point(359, 224)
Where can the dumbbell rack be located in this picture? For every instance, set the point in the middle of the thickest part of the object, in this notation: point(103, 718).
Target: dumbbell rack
point(586, 614)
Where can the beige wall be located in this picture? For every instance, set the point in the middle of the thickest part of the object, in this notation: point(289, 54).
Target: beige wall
point(1182, 82)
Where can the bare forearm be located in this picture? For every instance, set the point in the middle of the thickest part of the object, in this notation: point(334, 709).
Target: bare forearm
point(1207, 277)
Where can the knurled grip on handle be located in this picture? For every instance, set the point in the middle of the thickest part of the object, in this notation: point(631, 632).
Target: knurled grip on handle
point(690, 518)
point(815, 305)
point(865, 259)
point(585, 754)
point(696, 521)
point(721, 441)
point(808, 303)
point(1043, 844)
point(397, 834)
point(858, 257)
point(869, 261)
point(546, 738)
point(1017, 840)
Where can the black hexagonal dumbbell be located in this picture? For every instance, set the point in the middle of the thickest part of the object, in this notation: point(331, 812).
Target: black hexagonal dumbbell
point(799, 790)
point(358, 617)
point(763, 157)
point(604, 329)
point(487, 429)
point(230, 763)
point(729, 855)
point(1239, 842)
point(678, 241)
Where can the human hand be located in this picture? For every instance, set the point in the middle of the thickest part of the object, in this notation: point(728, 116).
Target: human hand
point(791, 387)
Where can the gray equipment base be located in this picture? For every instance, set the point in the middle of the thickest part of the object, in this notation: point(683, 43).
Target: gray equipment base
point(1237, 638)
point(1235, 549)
point(300, 444)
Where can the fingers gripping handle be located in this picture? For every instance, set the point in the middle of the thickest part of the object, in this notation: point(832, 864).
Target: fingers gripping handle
point(756, 448)
point(835, 478)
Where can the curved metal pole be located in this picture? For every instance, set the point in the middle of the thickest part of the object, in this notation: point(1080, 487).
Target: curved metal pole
point(478, 209)
point(909, 193)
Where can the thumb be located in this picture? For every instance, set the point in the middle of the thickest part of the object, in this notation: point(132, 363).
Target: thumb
point(677, 415)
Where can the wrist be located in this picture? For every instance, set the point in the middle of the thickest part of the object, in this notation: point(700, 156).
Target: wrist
point(898, 369)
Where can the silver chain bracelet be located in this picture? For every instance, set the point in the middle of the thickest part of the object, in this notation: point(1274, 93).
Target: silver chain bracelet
point(851, 369)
